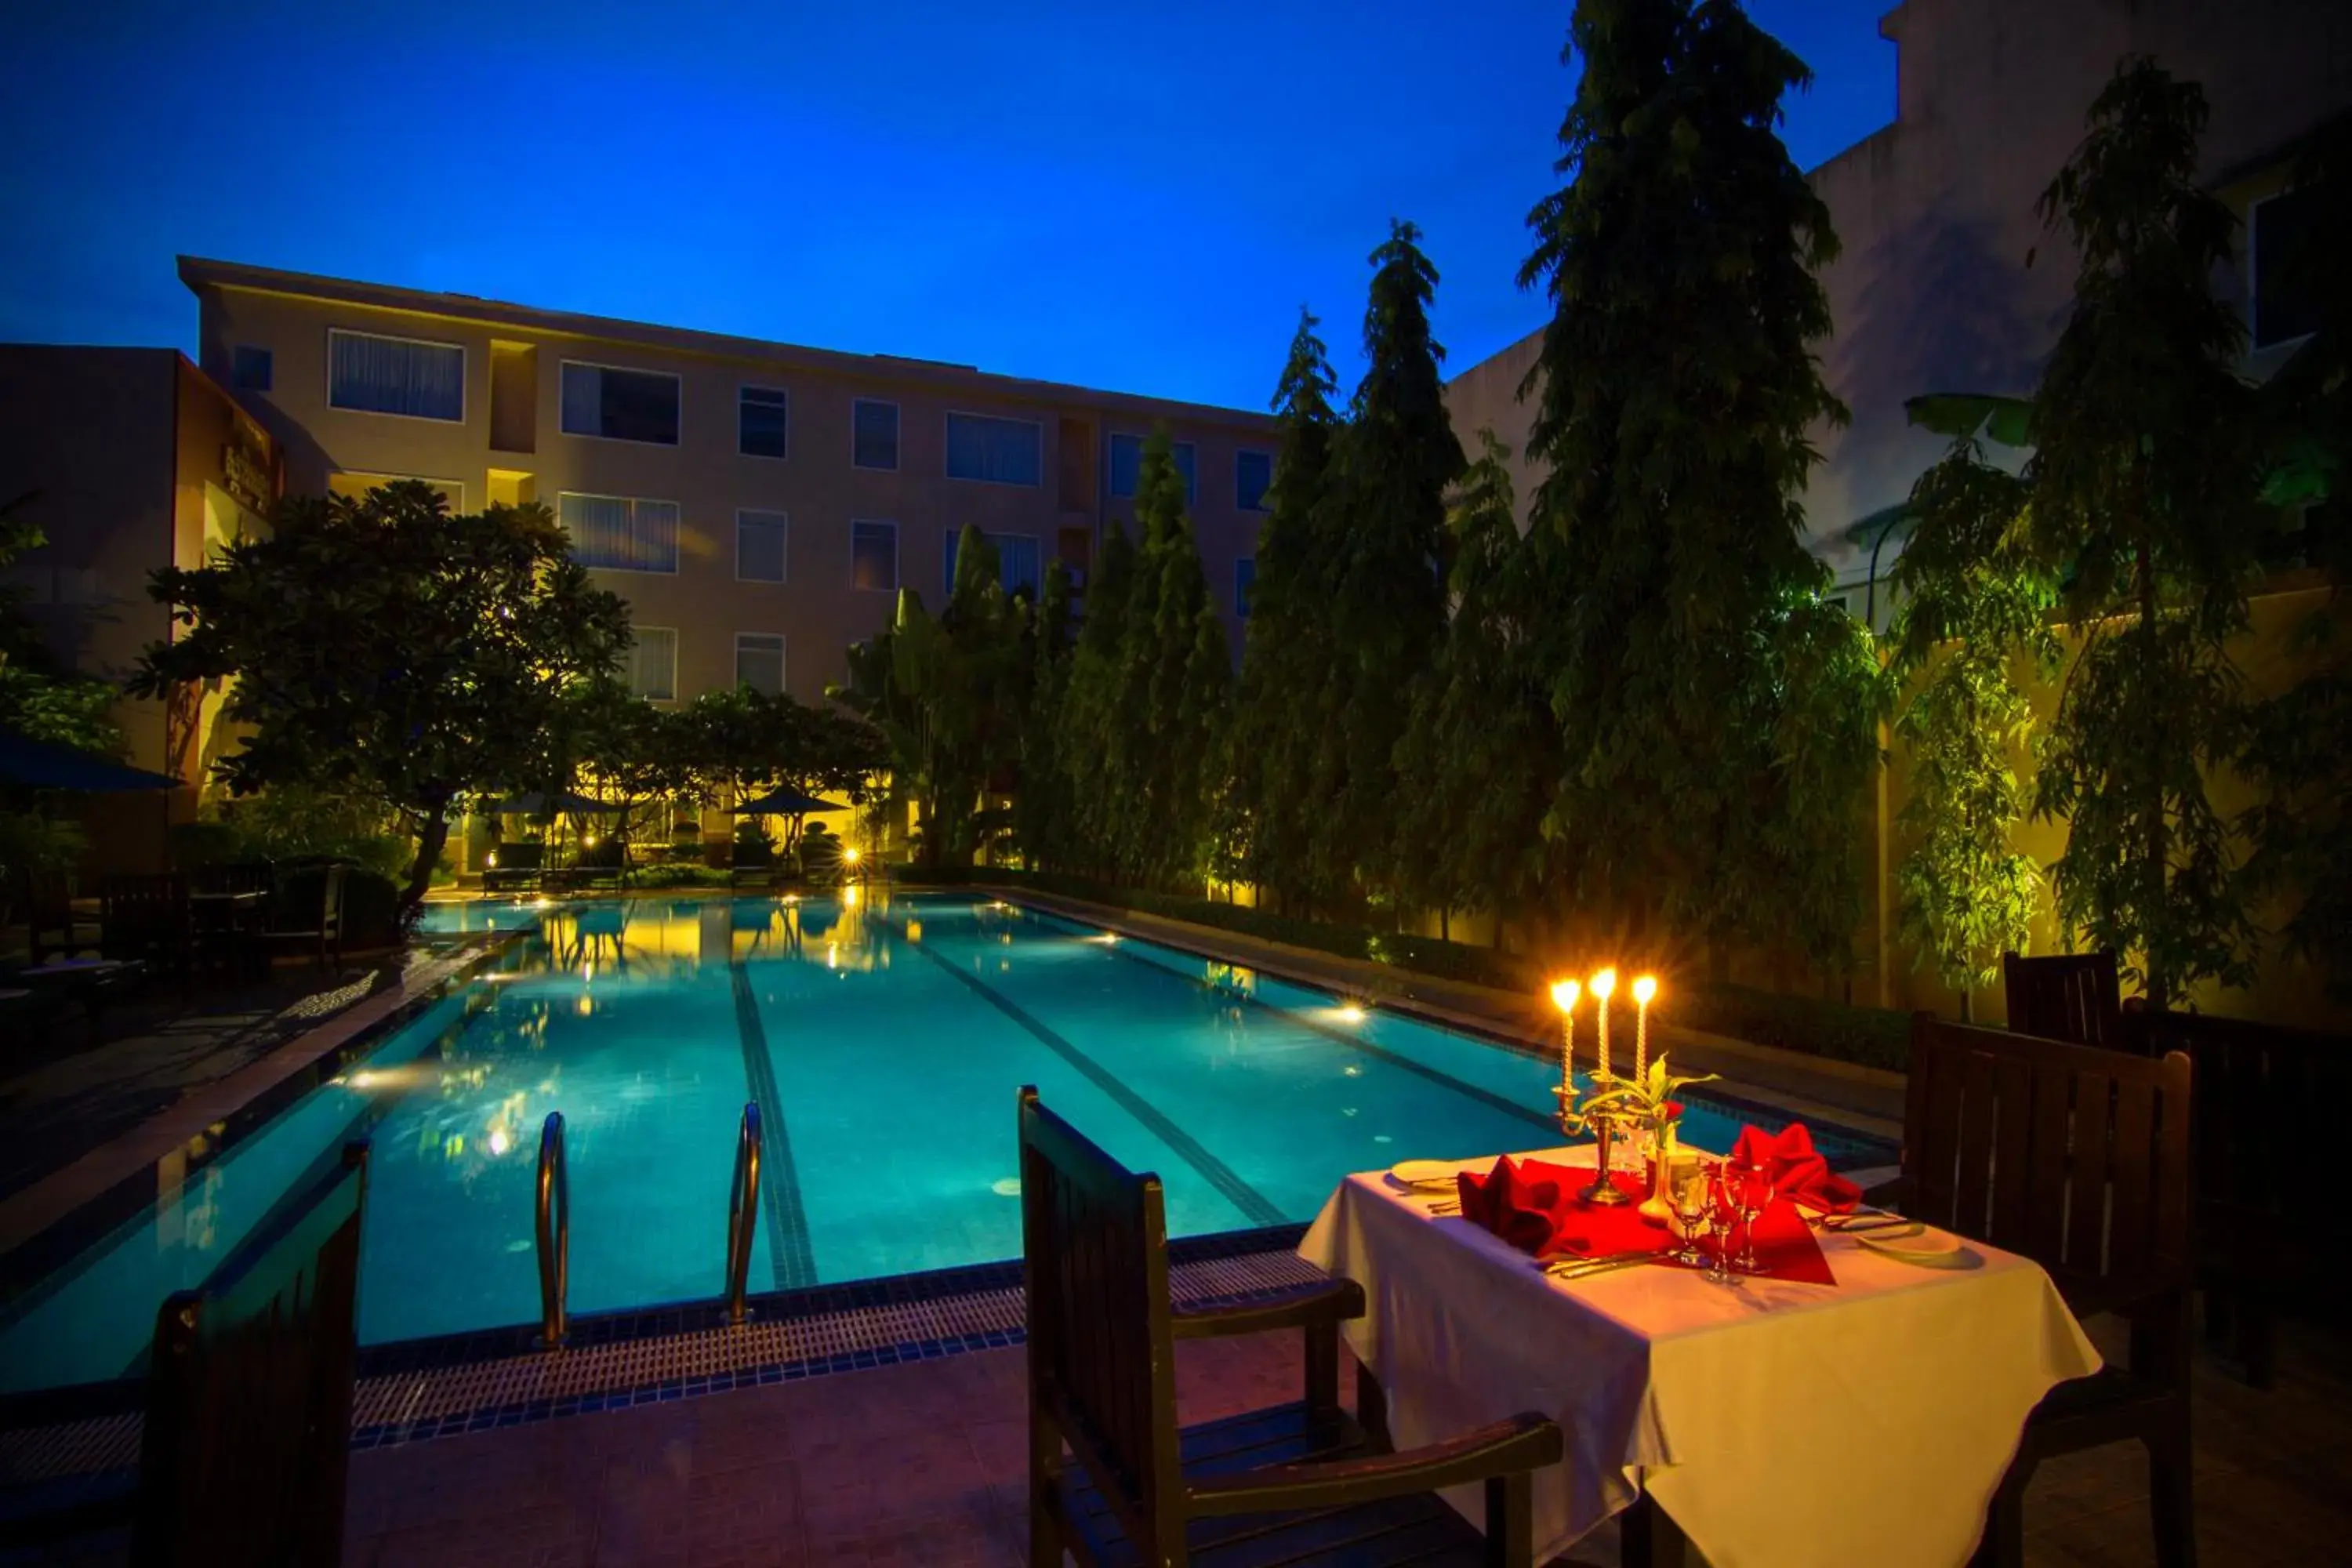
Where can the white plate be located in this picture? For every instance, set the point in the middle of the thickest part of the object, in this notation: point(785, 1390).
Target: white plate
point(1424, 1172)
point(1920, 1244)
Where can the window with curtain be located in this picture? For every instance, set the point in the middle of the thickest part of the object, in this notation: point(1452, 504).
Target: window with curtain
point(1252, 477)
point(1244, 582)
point(620, 404)
point(620, 534)
point(759, 662)
point(874, 438)
point(371, 374)
point(874, 555)
point(1016, 560)
point(997, 451)
point(653, 664)
point(1127, 466)
point(760, 539)
point(764, 422)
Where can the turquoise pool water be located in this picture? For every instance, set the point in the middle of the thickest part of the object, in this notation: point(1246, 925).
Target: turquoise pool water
point(883, 1040)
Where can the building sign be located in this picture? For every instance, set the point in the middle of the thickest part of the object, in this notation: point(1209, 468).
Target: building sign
point(246, 478)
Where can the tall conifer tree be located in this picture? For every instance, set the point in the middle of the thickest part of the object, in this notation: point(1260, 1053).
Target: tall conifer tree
point(1718, 720)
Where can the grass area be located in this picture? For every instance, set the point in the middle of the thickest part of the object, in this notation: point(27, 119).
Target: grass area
point(1872, 1037)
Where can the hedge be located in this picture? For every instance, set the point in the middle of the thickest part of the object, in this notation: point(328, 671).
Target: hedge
point(1838, 1031)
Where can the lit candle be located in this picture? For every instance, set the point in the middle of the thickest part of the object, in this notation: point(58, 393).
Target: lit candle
point(1563, 997)
point(1643, 989)
point(1602, 984)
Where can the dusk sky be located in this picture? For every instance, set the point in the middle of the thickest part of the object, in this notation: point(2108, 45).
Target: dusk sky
point(1118, 195)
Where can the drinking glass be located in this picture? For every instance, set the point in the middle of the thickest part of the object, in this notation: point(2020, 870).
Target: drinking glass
point(1719, 1212)
point(1749, 1188)
point(1687, 1195)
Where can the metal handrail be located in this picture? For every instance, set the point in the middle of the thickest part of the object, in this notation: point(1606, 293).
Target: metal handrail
point(742, 1213)
point(554, 1229)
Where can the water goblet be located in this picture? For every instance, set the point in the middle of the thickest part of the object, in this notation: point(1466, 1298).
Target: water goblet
point(1719, 1219)
point(1749, 1186)
point(1687, 1184)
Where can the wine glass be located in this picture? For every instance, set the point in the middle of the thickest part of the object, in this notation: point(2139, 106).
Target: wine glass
point(1749, 1185)
point(1687, 1195)
point(1716, 1194)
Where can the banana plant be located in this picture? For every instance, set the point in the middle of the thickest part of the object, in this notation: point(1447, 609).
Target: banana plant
point(1648, 1099)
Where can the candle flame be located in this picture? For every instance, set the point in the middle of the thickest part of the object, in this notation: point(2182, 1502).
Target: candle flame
point(1604, 983)
point(1645, 988)
point(1564, 993)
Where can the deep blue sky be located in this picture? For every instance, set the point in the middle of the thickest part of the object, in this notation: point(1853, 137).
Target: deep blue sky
point(1120, 194)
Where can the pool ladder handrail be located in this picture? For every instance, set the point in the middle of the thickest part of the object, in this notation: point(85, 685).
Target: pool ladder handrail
point(554, 1230)
point(742, 1213)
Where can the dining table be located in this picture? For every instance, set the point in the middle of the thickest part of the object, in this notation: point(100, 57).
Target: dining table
point(1765, 1422)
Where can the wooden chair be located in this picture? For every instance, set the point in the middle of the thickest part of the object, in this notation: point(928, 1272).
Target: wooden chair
point(2271, 1101)
point(146, 917)
point(2077, 1158)
point(2066, 996)
point(320, 923)
point(231, 934)
point(1296, 1485)
point(53, 929)
point(246, 1437)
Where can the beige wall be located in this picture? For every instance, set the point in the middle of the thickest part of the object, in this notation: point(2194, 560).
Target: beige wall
point(1934, 213)
point(817, 609)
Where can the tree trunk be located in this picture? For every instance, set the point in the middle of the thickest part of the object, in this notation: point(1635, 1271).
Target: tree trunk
point(430, 841)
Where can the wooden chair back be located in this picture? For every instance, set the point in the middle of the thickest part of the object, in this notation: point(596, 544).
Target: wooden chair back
point(241, 877)
point(248, 1419)
point(141, 912)
point(2074, 1156)
point(2066, 996)
point(1101, 1350)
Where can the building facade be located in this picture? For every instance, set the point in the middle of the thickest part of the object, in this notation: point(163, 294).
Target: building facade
point(1946, 280)
point(759, 505)
point(127, 459)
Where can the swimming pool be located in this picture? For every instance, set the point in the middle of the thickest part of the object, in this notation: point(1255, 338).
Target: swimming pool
point(882, 1040)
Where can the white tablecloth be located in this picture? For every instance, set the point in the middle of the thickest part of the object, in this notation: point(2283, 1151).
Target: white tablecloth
point(1866, 1423)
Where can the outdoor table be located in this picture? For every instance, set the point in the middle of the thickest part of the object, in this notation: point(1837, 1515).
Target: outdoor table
point(1773, 1422)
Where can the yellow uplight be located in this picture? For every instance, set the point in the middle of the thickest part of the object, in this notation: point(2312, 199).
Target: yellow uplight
point(851, 856)
point(588, 841)
point(498, 1140)
point(1644, 988)
point(491, 858)
point(1349, 1013)
point(1604, 983)
point(1564, 993)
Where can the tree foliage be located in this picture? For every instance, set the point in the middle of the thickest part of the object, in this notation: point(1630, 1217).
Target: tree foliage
point(1718, 719)
point(1975, 613)
point(381, 647)
point(2145, 483)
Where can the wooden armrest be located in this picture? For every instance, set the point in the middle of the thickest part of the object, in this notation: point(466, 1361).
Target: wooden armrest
point(1324, 1301)
point(1525, 1442)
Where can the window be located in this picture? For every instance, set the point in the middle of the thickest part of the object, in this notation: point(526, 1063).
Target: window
point(764, 422)
point(1016, 559)
point(760, 546)
point(1245, 583)
point(653, 664)
point(249, 368)
point(1252, 477)
point(620, 404)
point(2285, 234)
point(874, 555)
point(1127, 466)
point(369, 375)
point(875, 441)
point(620, 534)
point(759, 662)
point(996, 451)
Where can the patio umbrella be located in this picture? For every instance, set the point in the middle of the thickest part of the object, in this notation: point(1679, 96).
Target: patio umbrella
point(786, 801)
point(538, 803)
point(45, 765)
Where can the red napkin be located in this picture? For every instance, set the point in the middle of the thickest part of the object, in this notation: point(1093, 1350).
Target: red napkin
point(1534, 1205)
point(1799, 1173)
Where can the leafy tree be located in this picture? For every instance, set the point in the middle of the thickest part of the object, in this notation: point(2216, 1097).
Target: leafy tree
point(2146, 480)
point(1475, 766)
point(381, 647)
point(1975, 602)
point(1397, 457)
point(1286, 688)
point(1043, 803)
point(1718, 719)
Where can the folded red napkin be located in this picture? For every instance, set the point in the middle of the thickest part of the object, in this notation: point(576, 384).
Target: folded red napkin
point(1533, 1204)
point(1799, 1172)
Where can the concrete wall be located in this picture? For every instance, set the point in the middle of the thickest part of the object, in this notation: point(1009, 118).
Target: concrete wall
point(817, 609)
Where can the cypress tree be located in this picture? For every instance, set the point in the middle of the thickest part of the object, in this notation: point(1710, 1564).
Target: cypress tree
point(1718, 720)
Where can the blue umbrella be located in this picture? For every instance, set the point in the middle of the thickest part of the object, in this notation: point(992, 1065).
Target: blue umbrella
point(45, 765)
